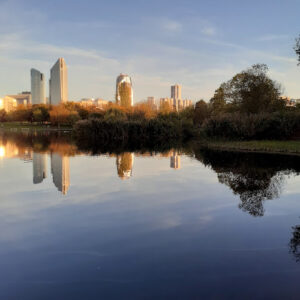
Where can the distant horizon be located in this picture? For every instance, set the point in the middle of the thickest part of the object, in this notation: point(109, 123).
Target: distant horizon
point(196, 44)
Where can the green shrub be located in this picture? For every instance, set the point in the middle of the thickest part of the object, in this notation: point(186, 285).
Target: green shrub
point(253, 126)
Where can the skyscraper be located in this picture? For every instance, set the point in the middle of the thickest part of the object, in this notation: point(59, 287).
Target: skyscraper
point(39, 167)
point(176, 91)
point(37, 87)
point(58, 83)
point(60, 168)
point(124, 91)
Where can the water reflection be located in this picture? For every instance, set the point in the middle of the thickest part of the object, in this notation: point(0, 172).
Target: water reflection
point(125, 164)
point(295, 243)
point(36, 148)
point(255, 177)
point(175, 160)
point(60, 168)
point(178, 206)
point(39, 167)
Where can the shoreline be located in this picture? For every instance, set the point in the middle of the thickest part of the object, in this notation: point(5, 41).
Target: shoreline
point(15, 126)
point(288, 147)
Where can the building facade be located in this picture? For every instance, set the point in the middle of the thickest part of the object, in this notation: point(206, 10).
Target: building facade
point(23, 98)
point(100, 103)
point(124, 91)
point(37, 87)
point(8, 103)
point(58, 83)
point(176, 91)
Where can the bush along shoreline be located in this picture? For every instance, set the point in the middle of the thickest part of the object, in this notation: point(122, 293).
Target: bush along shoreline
point(237, 126)
point(144, 132)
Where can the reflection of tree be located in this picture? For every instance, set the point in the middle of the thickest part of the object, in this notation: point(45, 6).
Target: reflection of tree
point(255, 177)
point(253, 191)
point(295, 242)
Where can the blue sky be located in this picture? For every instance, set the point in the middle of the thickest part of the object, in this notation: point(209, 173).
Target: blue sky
point(199, 44)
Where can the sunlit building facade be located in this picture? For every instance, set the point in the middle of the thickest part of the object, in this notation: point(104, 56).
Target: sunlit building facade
point(58, 83)
point(87, 102)
point(39, 161)
point(152, 103)
point(8, 103)
point(37, 87)
point(124, 91)
point(23, 98)
point(100, 103)
point(60, 168)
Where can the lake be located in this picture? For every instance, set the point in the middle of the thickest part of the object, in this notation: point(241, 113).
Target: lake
point(180, 223)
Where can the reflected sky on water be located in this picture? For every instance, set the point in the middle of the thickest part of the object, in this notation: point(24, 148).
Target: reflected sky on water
point(186, 223)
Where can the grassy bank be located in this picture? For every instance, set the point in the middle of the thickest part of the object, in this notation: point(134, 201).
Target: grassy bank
point(32, 126)
point(273, 146)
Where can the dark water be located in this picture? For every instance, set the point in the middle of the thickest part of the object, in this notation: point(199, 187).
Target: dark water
point(184, 223)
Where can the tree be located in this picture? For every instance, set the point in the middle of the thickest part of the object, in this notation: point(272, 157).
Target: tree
point(217, 102)
point(297, 49)
point(3, 115)
point(37, 115)
point(252, 91)
point(201, 112)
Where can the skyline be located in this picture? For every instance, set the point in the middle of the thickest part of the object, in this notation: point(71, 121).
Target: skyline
point(197, 44)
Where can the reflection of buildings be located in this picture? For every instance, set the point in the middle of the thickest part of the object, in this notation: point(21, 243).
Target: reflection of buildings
point(11, 150)
point(124, 91)
point(58, 83)
point(39, 167)
point(175, 160)
point(37, 87)
point(124, 165)
point(60, 168)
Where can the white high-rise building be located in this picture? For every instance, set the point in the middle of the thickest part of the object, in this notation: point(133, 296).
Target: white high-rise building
point(176, 91)
point(58, 83)
point(39, 167)
point(37, 87)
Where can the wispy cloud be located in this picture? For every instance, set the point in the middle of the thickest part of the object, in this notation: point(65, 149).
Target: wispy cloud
point(172, 26)
point(272, 37)
point(208, 30)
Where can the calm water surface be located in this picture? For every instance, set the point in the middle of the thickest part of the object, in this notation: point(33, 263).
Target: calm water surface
point(178, 224)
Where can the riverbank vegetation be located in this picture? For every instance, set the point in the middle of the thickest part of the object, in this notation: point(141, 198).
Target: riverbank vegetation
point(247, 107)
point(268, 146)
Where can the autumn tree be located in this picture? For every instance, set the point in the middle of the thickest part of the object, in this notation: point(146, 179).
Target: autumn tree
point(217, 103)
point(252, 91)
point(3, 115)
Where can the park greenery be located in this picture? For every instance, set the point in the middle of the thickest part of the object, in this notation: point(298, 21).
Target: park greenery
point(247, 107)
